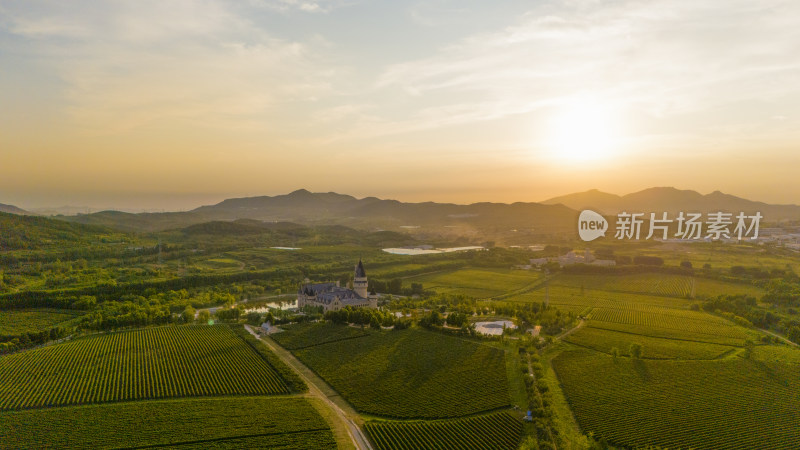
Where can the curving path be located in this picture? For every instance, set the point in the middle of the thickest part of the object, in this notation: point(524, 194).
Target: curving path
point(317, 388)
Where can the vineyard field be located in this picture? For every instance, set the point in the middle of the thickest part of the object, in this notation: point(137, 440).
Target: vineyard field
point(190, 423)
point(412, 374)
point(660, 284)
point(477, 283)
point(705, 287)
point(16, 322)
point(572, 297)
point(142, 364)
point(496, 431)
point(302, 335)
point(726, 403)
point(671, 333)
point(691, 321)
point(653, 348)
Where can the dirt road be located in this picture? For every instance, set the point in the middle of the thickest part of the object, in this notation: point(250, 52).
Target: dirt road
point(317, 388)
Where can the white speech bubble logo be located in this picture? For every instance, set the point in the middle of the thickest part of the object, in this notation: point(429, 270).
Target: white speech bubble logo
point(591, 225)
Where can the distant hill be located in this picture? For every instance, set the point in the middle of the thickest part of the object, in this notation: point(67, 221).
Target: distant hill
point(508, 223)
point(11, 209)
point(19, 232)
point(370, 213)
point(287, 233)
point(671, 200)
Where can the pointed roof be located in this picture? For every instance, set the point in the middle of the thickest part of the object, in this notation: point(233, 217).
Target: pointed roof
point(360, 270)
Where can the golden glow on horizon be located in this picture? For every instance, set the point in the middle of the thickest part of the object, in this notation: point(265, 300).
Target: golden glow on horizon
point(583, 130)
point(152, 104)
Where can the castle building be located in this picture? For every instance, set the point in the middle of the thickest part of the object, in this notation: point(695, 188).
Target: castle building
point(333, 297)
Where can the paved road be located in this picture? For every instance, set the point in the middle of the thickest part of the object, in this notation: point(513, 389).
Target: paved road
point(317, 388)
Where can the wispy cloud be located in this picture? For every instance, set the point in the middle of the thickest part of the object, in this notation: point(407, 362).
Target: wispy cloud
point(661, 58)
point(128, 64)
point(308, 6)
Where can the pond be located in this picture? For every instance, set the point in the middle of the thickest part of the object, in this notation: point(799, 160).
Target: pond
point(494, 328)
point(428, 251)
point(265, 307)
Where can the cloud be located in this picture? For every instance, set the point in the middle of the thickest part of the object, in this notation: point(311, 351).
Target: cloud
point(316, 6)
point(664, 58)
point(131, 64)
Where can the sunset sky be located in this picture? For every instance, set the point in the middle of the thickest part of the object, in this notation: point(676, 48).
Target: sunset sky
point(173, 104)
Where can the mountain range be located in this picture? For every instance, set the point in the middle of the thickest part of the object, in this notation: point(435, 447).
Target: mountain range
point(11, 209)
point(672, 201)
point(554, 216)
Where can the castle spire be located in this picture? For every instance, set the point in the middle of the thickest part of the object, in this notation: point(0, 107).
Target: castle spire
point(360, 273)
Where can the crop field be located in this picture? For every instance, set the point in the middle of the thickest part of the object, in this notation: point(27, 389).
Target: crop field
point(15, 322)
point(221, 263)
point(705, 287)
point(653, 347)
point(304, 335)
point(496, 431)
point(571, 298)
point(777, 355)
point(194, 423)
point(691, 321)
point(676, 334)
point(666, 285)
point(412, 374)
point(477, 283)
point(143, 364)
point(726, 403)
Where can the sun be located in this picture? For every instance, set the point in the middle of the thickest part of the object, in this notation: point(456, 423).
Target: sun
point(583, 130)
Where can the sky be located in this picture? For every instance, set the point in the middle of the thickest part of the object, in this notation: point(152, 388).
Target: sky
point(168, 105)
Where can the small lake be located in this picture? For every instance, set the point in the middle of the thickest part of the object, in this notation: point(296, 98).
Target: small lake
point(265, 307)
point(426, 251)
point(494, 328)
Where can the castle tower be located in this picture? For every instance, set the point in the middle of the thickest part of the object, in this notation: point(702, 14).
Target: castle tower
point(360, 280)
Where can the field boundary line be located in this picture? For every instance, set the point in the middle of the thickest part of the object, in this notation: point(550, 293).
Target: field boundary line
point(326, 342)
point(227, 438)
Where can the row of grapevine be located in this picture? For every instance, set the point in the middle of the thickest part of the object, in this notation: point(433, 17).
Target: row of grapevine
point(142, 364)
point(309, 334)
point(227, 422)
point(412, 374)
point(726, 403)
point(496, 431)
point(15, 322)
point(667, 285)
point(654, 347)
point(690, 321)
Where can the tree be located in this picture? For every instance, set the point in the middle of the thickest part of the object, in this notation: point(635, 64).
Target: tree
point(636, 351)
point(188, 314)
point(203, 316)
point(254, 318)
point(686, 264)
